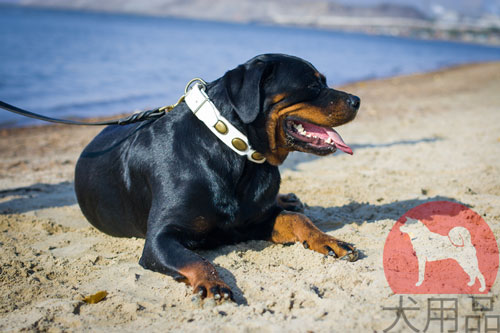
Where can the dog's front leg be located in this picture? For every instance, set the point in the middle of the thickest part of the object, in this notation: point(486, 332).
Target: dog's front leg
point(165, 254)
point(421, 270)
point(295, 227)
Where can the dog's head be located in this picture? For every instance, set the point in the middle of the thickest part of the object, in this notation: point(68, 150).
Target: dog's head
point(288, 106)
point(412, 226)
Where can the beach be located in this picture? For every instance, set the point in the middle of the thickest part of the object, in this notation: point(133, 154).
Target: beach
point(417, 138)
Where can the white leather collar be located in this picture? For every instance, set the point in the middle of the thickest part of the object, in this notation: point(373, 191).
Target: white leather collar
point(198, 101)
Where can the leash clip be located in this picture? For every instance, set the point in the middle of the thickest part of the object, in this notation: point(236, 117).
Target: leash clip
point(203, 87)
point(168, 108)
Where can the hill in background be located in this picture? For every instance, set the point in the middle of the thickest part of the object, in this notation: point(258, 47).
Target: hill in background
point(392, 18)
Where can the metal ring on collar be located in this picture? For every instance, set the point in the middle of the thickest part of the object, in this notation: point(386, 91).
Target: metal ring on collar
point(203, 84)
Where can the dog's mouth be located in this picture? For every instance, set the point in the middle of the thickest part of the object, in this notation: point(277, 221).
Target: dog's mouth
point(313, 138)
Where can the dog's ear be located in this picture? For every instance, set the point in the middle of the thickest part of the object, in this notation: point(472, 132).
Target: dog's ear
point(243, 88)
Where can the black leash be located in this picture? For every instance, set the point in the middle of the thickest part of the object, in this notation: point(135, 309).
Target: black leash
point(136, 117)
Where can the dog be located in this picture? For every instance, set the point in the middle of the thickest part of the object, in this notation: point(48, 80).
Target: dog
point(175, 182)
point(430, 246)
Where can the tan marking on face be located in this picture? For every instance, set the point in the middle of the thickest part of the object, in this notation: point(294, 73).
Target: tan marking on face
point(334, 116)
point(317, 115)
point(320, 76)
point(278, 98)
point(277, 140)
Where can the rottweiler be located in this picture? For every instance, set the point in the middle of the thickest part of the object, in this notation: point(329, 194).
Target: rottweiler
point(175, 183)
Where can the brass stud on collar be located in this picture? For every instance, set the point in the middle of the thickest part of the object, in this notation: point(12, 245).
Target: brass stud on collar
point(257, 156)
point(221, 127)
point(239, 144)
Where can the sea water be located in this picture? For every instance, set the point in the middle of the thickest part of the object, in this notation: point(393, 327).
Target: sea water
point(70, 64)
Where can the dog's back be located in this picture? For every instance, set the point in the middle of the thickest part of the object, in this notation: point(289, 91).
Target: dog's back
point(99, 180)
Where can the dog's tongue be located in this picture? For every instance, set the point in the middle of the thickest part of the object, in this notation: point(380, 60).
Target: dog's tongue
point(325, 133)
point(338, 141)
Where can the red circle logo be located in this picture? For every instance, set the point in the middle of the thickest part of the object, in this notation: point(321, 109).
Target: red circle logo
point(440, 247)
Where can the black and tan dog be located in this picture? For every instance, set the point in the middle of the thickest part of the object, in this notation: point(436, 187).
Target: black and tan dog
point(174, 183)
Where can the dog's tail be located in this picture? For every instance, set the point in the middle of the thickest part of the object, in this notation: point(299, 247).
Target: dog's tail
point(460, 237)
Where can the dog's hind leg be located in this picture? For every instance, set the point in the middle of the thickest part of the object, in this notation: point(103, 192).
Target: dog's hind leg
point(480, 277)
point(469, 263)
point(290, 202)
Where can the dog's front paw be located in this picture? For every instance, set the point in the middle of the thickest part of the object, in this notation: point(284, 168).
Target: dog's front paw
point(419, 283)
point(331, 246)
point(216, 289)
point(290, 202)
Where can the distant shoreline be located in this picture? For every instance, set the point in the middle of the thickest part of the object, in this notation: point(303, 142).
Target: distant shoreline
point(414, 28)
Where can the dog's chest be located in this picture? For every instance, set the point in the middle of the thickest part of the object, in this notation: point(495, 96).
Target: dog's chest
point(252, 197)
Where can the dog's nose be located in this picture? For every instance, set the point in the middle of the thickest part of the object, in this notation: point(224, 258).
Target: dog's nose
point(353, 102)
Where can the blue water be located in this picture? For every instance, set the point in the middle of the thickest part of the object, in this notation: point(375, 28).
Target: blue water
point(77, 64)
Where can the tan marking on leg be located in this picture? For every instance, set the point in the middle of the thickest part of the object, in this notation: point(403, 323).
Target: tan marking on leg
point(203, 274)
point(201, 225)
point(295, 227)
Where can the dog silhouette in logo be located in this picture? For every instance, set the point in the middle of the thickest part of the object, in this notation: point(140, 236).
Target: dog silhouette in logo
point(430, 246)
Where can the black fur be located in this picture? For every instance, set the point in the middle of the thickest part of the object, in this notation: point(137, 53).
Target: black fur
point(171, 181)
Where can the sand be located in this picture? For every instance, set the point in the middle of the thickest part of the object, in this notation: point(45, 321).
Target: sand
point(416, 139)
